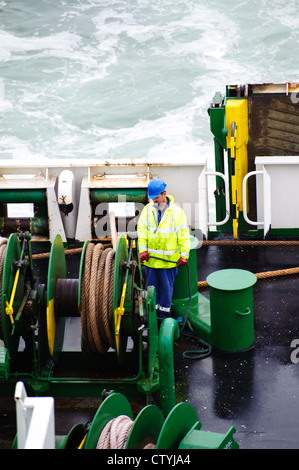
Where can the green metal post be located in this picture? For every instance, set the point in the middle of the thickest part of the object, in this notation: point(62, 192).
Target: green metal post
point(168, 332)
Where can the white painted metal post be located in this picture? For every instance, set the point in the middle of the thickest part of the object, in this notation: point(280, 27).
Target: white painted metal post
point(35, 420)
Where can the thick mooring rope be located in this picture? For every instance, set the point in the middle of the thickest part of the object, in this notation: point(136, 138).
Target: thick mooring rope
point(115, 434)
point(97, 299)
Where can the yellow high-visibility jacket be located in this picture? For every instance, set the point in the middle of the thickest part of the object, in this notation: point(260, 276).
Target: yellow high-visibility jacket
point(169, 240)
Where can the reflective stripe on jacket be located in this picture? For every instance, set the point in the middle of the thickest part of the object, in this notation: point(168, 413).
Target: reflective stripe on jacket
point(169, 240)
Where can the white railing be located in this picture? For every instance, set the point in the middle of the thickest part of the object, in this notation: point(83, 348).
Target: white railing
point(266, 222)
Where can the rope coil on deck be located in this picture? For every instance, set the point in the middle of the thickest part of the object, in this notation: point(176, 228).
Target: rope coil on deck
point(97, 299)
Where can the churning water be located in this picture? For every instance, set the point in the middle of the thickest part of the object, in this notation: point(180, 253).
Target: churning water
point(132, 79)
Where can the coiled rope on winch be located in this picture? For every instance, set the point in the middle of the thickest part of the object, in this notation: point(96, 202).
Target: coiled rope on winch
point(116, 432)
point(97, 299)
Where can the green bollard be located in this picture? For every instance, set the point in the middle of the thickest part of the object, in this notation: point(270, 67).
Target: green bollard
point(231, 306)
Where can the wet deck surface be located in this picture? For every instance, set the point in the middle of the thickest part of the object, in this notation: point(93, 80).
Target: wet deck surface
point(257, 391)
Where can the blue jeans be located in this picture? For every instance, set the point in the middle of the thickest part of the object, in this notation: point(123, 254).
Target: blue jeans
point(162, 280)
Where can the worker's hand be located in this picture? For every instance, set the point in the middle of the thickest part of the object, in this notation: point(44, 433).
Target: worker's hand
point(182, 262)
point(144, 256)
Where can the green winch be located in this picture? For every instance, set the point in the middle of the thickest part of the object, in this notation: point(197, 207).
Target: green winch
point(119, 344)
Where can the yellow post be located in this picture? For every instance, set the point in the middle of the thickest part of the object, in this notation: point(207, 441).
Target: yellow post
point(236, 116)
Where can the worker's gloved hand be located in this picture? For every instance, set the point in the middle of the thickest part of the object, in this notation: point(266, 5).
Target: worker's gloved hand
point(182, 262)
point(144, 256)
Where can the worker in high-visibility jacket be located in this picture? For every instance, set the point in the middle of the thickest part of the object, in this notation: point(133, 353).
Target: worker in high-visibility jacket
point(164, 243)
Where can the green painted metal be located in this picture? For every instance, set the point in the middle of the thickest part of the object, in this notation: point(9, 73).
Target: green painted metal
point(177, 424)
point(4, 363)
point(141, 363)
point(225, 320)
point(146, 428)
point(217, 124)
point(199, 308)
point(231, 304)
point(34, 225)
point(118, 195)
point(12, 255)
point(8, 196)
point(113, 406)
point(181, 288)
point(199, 318)
point(150, 303)
point(17, 270)
point(180, 430)
point(56, 269)
point(73, 438)
point(197, 439)
point(169, 331)
point(121, 256)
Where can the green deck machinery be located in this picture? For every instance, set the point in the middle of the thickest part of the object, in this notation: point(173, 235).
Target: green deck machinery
point(114, 426)
point(109, 302)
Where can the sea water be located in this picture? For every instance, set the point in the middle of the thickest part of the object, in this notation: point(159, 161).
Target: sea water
point(132, 79)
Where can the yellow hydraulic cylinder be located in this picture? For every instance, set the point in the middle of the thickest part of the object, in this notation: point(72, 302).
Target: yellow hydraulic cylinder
point(236, 119)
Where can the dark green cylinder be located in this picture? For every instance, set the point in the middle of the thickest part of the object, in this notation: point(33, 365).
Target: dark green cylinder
point(117, 195)
point(231, 309)
point(16, 196)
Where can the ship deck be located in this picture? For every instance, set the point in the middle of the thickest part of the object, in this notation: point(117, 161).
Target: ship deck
point(256, 391)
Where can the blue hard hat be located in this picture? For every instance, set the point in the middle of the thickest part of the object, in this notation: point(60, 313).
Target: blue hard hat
point(155, 187)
